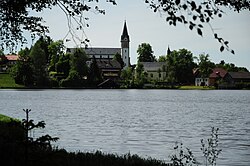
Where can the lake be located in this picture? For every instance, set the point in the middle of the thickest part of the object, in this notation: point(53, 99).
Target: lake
point(143, 122)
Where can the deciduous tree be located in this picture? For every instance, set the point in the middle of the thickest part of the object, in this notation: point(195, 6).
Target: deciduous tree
point(39, 61)
point(180, 66)
point(205, 65)
point(145, 53)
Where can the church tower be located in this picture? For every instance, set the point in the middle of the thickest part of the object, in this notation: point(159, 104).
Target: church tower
point(125, 46)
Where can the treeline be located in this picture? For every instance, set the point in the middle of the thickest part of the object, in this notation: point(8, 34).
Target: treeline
point(47, 65)
point(179, 66)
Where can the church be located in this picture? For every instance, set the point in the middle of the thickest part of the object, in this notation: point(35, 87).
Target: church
point(107, 54)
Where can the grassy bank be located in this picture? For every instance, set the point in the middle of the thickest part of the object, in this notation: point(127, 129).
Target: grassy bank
point(14, 151)
point(6, 81)
point(196, 88)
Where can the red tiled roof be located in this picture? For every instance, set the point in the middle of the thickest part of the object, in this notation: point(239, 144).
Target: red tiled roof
point(12, 57)
point(218, 72)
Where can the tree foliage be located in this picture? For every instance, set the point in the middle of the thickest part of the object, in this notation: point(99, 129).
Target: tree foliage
point(141, 76)
point(197, 14)
point(94, 76)
point(127, 77)
point(15, 17)
point(230, 67)
point(39, 61)
point(205, 66)
point(145, 53)
point(180, 66)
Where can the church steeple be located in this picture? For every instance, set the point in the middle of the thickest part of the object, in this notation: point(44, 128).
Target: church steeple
point(168, 51)
point(125, 46)
point(125, 36)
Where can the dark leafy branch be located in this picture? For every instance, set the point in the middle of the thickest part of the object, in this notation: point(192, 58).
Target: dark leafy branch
point(196, 14)
point(15, 17)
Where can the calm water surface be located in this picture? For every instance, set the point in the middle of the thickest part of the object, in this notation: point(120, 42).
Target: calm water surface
point(145, 122)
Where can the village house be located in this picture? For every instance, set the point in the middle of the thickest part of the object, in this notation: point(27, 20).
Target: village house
point(110, 69)
point(200, 81)
point(223, 79)
point(235, 78)
point(10, 61)
point(156, 71)
point(216, 76)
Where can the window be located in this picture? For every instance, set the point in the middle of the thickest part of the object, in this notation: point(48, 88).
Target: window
point(159, 75)
point(151, 75)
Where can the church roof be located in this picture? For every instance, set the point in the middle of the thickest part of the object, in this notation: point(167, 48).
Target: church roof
point(98, 51)
point(125, 32)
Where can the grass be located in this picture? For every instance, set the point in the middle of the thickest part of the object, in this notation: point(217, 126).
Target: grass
point(196, 88)
point(6, 81)
point(6, 119)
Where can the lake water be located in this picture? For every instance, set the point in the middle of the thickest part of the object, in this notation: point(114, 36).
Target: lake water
point(143, 122)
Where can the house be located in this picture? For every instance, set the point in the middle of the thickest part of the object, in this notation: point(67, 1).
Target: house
point(110, 69)
point(156, 71)
point(10, 61)
point(200, 81)
point(218, 74)
point(234, 78)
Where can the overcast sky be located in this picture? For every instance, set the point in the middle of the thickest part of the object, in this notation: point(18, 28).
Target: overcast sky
point(146, 26)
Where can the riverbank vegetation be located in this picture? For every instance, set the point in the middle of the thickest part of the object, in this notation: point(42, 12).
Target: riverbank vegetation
point(17, 147)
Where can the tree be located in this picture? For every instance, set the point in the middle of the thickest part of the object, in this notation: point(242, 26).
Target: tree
point(63, 64)
point(39, 61)
point(15, 17)
point(162, 58)
point(118, 58)
point(78, 70)
point(127, 77)
point(180, 66)
point(205, 65)
point(3, 58)
point(230, 67)
point(78, 62)
point(22, 72)
point(55, 50)
point(94, 73)
point(141, 76)
point(145, 53)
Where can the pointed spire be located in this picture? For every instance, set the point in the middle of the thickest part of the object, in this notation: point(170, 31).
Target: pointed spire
point(125, 32)
point(168, 51)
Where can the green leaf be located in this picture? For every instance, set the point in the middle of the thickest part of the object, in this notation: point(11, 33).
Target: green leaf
point(177, 2)
point(222, 48)
point(215, 36)
point(191, 27)
point(199, 31)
